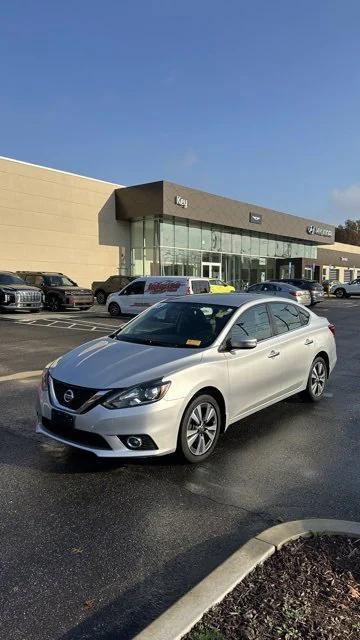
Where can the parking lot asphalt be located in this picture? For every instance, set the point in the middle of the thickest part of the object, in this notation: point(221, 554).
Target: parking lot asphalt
point(96, 549)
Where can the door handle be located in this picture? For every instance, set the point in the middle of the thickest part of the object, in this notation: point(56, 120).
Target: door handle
point(308, 341)
point(273, 354)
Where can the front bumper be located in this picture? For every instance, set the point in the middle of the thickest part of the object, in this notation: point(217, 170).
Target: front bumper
point(159, 420)
point(16, 306)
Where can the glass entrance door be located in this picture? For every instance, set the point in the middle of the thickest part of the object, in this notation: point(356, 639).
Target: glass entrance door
point(211, 270)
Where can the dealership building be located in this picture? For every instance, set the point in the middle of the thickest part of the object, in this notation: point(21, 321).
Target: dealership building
point(90, 229)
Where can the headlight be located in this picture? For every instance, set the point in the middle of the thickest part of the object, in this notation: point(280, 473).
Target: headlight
point(45, 379)
point(142, 394)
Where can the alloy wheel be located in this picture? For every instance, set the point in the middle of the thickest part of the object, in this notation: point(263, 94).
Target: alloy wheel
point(318, 378)
point(202, 428)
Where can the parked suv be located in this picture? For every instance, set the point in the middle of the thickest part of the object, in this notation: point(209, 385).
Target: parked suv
point(15, 294)
point(346, 290)
point(102, 288)
point(316, 289)
point(60, 292)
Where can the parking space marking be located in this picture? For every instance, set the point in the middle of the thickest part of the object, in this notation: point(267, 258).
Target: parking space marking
point(63, 323)
point(21, 376)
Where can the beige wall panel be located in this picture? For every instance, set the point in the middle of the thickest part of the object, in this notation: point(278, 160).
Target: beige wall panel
point(54, 221)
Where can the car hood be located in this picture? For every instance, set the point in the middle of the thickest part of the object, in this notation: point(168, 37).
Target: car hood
point(72, 289)
point(18, 287)
point(107, 363)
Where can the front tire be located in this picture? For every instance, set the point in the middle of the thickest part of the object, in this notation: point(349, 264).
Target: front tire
point(317, 380)
point(54, 304)
point(114, 309)
point(199, 429)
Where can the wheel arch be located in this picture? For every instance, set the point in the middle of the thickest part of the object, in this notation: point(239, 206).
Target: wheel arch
point(324, 355)
point(216, 393)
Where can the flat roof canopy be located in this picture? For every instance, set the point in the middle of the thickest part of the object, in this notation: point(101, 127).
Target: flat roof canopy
point(169, 199)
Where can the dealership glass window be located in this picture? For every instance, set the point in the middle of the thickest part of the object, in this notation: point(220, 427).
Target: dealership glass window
point(206, 238)
point(246, 244)
point(194, 236)
point(137, 261)
point(137, 233)
point(215, 239)
point(271, 248)
point(167, 236)
point(149, 229)
point(236, 243)
point(263, 247)
point(254, 244)
point(181, 234)
point(279, 248)
point(226, 244)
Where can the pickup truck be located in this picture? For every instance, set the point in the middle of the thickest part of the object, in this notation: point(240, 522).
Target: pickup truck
point(346, 290)
point(102, 288)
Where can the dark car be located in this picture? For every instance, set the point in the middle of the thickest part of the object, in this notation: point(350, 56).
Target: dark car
point(60, 292)
point(102, 288)
point(16, 295)
point(316, 289)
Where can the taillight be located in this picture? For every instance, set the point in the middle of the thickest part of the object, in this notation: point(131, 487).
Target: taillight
point(296, 294)
point(332, 328)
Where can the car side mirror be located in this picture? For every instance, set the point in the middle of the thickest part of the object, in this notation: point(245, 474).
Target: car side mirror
point(243, 343)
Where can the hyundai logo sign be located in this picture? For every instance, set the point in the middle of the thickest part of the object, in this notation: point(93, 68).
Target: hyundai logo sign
point(313, 230)
point(255, 218)
point(69, 395)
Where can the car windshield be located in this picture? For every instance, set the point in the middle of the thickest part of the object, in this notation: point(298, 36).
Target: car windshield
point(9, 278)
point(59, 281)
point(177, 324)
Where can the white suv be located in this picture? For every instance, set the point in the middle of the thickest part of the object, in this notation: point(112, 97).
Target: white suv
point(346, 290)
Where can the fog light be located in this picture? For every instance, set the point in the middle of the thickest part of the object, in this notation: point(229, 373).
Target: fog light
point(133, 442)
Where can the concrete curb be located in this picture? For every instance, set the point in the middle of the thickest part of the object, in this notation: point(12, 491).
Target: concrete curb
point(184, 614)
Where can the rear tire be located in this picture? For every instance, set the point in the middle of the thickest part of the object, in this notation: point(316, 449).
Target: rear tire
point(199, 429)
point(101, 297)
point(114, 309)
point(317, 380)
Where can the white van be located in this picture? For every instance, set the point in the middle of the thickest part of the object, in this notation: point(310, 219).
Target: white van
point(144, 292)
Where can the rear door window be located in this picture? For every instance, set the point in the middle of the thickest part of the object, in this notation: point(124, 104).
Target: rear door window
point(285, 317)
point(200, 286)
point(253, 323)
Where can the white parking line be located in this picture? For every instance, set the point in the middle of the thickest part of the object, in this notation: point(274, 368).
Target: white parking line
point(21, 376)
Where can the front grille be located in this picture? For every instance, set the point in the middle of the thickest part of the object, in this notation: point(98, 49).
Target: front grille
point(81, 394)
point(85, 438)
point(28, 296)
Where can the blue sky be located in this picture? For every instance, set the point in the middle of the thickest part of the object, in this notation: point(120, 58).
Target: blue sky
point(258, 101)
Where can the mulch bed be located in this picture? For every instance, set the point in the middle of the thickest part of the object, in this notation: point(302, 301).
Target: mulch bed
point(309, 590)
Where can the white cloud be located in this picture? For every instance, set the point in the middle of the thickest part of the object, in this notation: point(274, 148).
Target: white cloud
point(347, 200)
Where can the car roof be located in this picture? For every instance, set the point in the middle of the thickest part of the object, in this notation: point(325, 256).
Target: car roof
point(43, 273)
point(224, 299)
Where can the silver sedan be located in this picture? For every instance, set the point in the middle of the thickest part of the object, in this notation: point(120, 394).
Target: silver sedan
point(176, 376)
point(282, 289)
